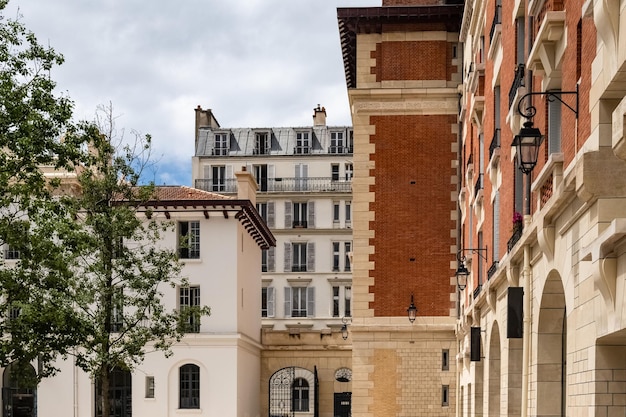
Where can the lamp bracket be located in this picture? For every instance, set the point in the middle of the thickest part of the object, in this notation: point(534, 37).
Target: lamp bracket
point(551, 95)
point(482, 252)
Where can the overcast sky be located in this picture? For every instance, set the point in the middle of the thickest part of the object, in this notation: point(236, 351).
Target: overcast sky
point(255, 63)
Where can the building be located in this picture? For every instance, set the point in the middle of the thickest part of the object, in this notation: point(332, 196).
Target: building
point(542, 326)
point(403, 67)
point(304, 176)
point(216, 369)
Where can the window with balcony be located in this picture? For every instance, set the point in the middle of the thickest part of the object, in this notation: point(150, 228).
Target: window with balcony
point(299, 301)
point(342, 295)
point(261, 176)
point(218, 178)
point(299, 257)
point(267, 302)
point(303, 143)
point(262, 143)
point(221, 145)
point(189, 240)
point(188, 303)
point(301, 173)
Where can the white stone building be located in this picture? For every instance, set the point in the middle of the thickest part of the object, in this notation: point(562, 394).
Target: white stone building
point(304, 176)
point(215, 370)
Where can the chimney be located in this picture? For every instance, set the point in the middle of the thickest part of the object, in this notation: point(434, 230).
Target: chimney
point(246, 186)
point(319, 116)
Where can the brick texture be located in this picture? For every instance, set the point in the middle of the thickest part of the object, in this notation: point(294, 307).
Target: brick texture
point(414, 60)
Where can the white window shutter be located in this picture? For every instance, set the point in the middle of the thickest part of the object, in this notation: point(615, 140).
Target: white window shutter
point(287, 301)
point(310, 302)
point(554, 126)
point(310, 257)
point(311, 210)
point(270, 302)
point(270, 214)
point(271, 259)
point(287, 257)
point(207, 172)
point(288, 219)
point(271, 175)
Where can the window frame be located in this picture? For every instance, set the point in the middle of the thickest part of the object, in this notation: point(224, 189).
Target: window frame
point(189, 386)
point(303, 143)
point(189, 297)
point(220, 144)
point(189, 248)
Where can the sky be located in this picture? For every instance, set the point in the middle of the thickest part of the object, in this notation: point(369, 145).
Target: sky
point(255, 63)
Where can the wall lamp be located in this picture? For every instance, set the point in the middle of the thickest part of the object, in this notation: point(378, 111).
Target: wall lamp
point(462, 272)
point(344, 328)
point(412, 311)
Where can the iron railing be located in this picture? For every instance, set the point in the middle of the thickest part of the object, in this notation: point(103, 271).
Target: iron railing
point(479, 184)
point(495, 22)
point(477, 290)
point(340, 149)
point(517, 233)
point(518, 82)
point(278, 185)
point(495, 143)
point(492, 269)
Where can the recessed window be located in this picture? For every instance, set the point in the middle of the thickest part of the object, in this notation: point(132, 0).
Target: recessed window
point(189, 389)
point(299, 259)
point(299, 301)
point(149, 387)
point(445, 360)
point(445, 395)
point(189, 240)
point(300, 395)
point(267, 302)
point(262, 143)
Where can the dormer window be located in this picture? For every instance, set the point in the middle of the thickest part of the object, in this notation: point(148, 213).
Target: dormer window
point(303, 143)
point(221, 145)
point(262, 143)
point(337, 143)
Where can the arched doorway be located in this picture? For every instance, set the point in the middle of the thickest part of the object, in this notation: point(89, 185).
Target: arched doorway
point(292, 390)
point(19, 391)
point(494, 371)
point(552, 350)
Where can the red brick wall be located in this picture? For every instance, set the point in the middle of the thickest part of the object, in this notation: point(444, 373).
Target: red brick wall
point(413, 208)
point(413, 60)
point(412, 2)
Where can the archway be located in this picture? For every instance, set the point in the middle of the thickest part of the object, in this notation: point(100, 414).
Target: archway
point(494, 369)
point(19, 391)
point(292, 390)
point(552, 350)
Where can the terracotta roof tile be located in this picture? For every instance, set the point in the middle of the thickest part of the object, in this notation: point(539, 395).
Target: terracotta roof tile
point(181, 192)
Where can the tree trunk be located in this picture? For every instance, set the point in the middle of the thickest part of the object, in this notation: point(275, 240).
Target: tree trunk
point(104, 387)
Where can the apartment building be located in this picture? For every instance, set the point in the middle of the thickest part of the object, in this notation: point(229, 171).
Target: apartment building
point(403, 66)
point(216, 368)
point(304, 176)
point(542, 326)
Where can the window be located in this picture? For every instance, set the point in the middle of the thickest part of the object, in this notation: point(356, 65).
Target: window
point(262, 209)
point(260, 175)
point(218, 178)
point(189, 240)
point(445, 360)
point(264, 260)
point(349, 171)
point(347, 251)
point(189, 390)
point(300, 395)
point(117, 310)
point(149, 387)
point(11, 253)
point(336, 256)
point(336, 211)
point(299, 301)
point(301, 174)
point(189, 301)
point(350, 144)
point(302, 143)
point(267, 260)
point(262, 144)
point(348, 213)
point(554, 126)
point(120, 394)
point(221, 145)
point(445, 390)
point(520, 38)
point(336, 142)
point(266, 211)
point(267, 302)
point(341, 301)
point(300, 215)
point(299, 257)
point(334, 172)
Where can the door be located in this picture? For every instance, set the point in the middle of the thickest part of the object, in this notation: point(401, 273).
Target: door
point(343, 404)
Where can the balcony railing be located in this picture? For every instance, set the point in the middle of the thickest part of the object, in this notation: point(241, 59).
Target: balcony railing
point(492, 269)
point(496, 21)
point(299, 224)
point(477, 291)
point(479, 184)
point(279, 185)
point(495, 143)
point(518, 82)
point(517, 233)
point(340, 149)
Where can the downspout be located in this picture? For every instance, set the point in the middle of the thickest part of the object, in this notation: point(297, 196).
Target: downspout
point(527, 329)
point(75, 377)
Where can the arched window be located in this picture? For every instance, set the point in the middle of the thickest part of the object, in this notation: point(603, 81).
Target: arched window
point(300, 395)
point(120, 393)
point(189, 391)
point(19, 388)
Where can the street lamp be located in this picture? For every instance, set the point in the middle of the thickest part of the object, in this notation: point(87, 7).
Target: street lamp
point(412, 311)
point(527, 143)
point(344, 328)
point(462, 272)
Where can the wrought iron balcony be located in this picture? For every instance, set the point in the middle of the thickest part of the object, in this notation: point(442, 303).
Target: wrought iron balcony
point(299, 224)
point(479, 184)
point(518, 82)
point(279, 185)
point(495, 143)
point(517, 233)
point(340, 150)
point(477, 290)
point(495, 22)
point(492, 269)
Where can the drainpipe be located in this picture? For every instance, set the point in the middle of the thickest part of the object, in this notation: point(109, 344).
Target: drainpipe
point(527, 329)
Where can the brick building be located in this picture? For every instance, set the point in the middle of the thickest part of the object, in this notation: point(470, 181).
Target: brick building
point(403, 67)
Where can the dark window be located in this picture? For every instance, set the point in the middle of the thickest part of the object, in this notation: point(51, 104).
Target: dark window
point(262, 145)
point(445, 390)
point(189, 396)
point(189, 240)
point(264, 302)
point(335, 256)
point(303, 143)
point(335, 301)
point(120, 394)
point(334, 172)
point(347, 250)
point(221, 144)
point(336, 143)
point(300, 215)
point(298, 260)
point(299, 302)
point(149, 387)
point(300, 395)
point(445, 360)
point(218, 178)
